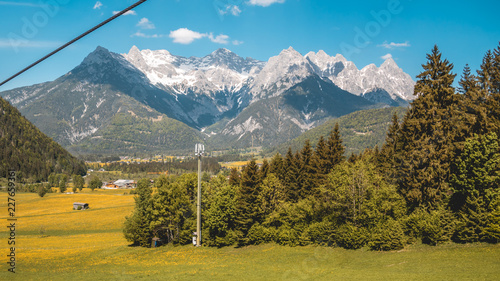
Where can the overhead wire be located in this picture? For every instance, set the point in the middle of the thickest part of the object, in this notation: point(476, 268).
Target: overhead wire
point(74, 40)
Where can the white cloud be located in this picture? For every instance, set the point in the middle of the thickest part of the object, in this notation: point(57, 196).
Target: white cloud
point(387, 56)
point(142, 35)
point(231, 9)
point(98, 5)
point(264, 3)
point(235, 11)
point(144, 23)
point(236, 42)
point(220, 39)
point(185, 36)
point(128, 13)
point(393, 45)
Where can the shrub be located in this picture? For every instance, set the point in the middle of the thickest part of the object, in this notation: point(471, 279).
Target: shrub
point(320, 233)
point(287, 236)
point(387, 236)
point(350, 236)
point(259, 234)
point(42, 191)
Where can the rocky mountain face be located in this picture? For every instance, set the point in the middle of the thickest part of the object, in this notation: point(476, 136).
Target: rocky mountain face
point(234, 101)
point(346, 75)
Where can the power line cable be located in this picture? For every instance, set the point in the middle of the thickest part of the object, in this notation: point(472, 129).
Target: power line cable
point(74, 40)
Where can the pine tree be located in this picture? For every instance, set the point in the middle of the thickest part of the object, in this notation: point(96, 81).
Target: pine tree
point(234, 177)
point(473, 104)
point(476, 186)
point(276, 167)
point(385, 158)
point(320, 160)
point(247, 208)
point(264, 170)
point(335, 147)
point(137, 229)
point(292, 177)
point(426, 142)
point(308, 181)
point(489, 81)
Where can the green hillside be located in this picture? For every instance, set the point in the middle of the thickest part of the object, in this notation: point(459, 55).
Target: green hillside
point(359, 130)
point(24, 148)
point(132, 131)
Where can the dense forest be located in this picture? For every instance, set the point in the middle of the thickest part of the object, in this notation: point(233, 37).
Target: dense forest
point(28, 151)
point(210, 164)
point(435, 179)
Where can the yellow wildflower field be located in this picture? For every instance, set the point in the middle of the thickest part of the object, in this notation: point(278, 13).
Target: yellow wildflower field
point(55, 242)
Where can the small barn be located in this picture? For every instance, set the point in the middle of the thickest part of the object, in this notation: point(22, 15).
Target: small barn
point(80, 206)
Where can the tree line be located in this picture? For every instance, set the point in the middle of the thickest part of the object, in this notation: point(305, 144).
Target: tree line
point(435, 179)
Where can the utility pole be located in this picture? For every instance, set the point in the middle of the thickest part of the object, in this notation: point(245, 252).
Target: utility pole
point(199, 150)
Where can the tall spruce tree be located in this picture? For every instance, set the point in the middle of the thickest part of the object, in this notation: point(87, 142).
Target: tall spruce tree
point(489, 82)
point(476, 188)
point(291, 178)
point(426, 142)
point(137, 229)
point(335, 147)
point(321, 161)
point(264, 170)
point(234, 177)
point(473, 104)
point(386, 157)
point(247, 209)
point(308, 180)
point(277, 168)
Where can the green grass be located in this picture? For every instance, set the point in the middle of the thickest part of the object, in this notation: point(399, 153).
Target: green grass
point(62, 252)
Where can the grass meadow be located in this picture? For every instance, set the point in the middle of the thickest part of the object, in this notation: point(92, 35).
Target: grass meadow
point(54, 242)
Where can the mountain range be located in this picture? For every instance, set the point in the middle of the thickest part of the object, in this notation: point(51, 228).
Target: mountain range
point(156, 101)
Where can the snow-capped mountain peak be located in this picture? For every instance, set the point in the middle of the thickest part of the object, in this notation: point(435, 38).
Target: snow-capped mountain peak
point(389, 64)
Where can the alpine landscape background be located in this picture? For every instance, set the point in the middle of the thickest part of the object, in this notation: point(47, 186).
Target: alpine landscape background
point(156, 101)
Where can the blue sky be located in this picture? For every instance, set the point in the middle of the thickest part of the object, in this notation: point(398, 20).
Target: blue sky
point(363, 31)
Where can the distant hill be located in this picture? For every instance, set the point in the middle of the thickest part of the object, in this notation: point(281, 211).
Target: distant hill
point(28, 151)
point(359, 130)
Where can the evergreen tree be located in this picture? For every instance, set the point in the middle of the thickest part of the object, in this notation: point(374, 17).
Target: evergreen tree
point(272, 195)
point(277, 168)
point(321, 159)
point(476, 186)
point(335, 147)
point(291, 178)
point(137, 227)
point(247, 208)
point(473, 104)
point(234, 177)
point(308, 180)
point(489, 82)
point(264, 169)
point(386, 157)
point(426, 142)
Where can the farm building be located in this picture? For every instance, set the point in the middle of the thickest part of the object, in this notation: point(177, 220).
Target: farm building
point(125, 183)
point(109, 185)
point(80, 206)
